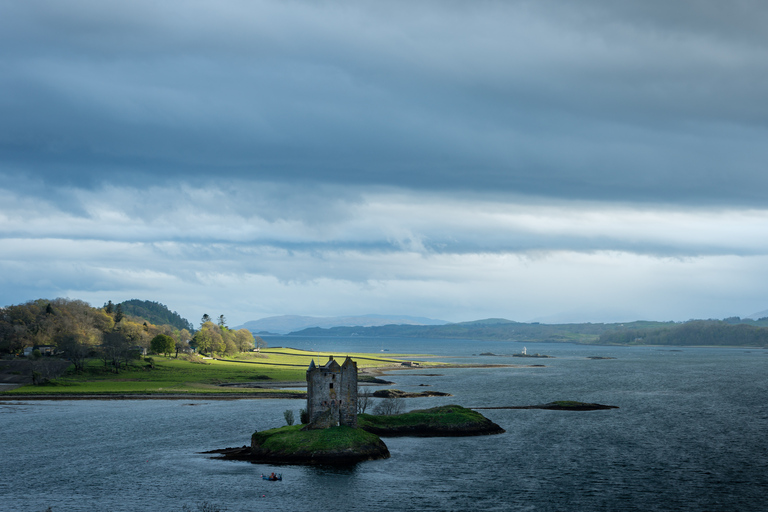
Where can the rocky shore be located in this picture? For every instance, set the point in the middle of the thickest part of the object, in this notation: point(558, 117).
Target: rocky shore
point(563, 405)
point(396, 393)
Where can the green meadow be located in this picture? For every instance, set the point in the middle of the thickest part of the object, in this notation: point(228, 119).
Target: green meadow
point(195, 375)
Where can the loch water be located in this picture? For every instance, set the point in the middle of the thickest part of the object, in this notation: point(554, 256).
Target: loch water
point(689, 434)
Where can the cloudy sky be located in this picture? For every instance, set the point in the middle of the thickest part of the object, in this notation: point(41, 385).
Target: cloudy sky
point(600, 160)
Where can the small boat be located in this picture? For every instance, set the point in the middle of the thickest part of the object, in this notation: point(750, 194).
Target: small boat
point(273, 477)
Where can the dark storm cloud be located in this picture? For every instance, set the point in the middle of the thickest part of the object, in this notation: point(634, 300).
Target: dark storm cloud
point(651, 101)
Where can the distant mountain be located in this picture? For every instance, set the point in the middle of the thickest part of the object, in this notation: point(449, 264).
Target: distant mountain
point(758, 315)
point(290, 323)
point(487, 321)
point(589, 315)
point(155, 313)
point(728, 332)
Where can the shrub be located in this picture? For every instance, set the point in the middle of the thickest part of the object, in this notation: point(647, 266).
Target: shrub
point(303, 416)
point(288, 414)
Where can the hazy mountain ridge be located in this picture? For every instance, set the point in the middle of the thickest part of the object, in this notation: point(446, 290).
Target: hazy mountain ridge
point(728, 332)
point(285, 324)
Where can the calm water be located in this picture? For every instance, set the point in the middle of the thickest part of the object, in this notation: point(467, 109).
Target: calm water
point(690, 435)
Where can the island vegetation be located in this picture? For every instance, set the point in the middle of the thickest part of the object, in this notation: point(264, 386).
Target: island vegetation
point(443, 421)
point(297, 444)
point(335, 445)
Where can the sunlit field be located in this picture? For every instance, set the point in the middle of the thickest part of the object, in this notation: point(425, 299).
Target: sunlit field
point(196, 375)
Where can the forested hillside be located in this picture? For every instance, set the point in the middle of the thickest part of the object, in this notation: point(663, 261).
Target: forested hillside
point(155, 313)
point(79, 332)
point(695, 332)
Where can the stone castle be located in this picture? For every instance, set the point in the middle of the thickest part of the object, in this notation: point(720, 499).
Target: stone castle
point(332, 394)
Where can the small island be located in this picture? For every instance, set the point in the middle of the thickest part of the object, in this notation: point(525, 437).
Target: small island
point(334, 445)
point(444, 421)
point(396, 393)
point(559, 405)
point(336, 434)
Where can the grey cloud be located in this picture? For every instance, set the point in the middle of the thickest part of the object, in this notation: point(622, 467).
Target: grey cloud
point(598, 100)
point(241, 216)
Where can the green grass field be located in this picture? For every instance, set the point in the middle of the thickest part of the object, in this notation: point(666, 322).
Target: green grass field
point(179, 376)
point(445, 415)
point(293, 439)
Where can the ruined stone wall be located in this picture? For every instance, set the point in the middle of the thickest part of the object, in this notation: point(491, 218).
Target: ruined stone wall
point(332, 394)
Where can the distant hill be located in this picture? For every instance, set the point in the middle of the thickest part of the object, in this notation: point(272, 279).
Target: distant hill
point(155, 313)
point(488, 329)
point(290, 323)
point(728, 332)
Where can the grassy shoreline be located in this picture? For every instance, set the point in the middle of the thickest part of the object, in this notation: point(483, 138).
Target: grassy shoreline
point(201, 378)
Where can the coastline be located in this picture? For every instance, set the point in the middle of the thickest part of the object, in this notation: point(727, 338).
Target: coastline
point(261, 395)
point(147, 396)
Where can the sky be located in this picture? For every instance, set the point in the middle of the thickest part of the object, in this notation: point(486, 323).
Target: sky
point(554, 161)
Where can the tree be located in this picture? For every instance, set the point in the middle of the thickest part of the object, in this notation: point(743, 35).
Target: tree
point(244, 340)
point(363, 400)
point(208, 339)
point(162, 344)
point(76, 347)
point(115, 350)
point(109, 307)
point(222, 322)
point(206, 318)
point(389, 406)
point(182, 341)
point(118, 313)
point(288, 414)
point(260, 343)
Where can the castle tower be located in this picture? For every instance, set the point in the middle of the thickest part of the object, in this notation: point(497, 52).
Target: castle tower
point(348, 394)
point(332, 394)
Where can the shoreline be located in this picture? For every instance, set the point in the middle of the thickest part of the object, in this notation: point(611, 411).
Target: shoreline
point(265, 395)
point(169, 396)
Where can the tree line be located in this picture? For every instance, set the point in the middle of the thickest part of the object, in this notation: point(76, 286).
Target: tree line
point(693, 332)
point(81, 332)
point(217, 338)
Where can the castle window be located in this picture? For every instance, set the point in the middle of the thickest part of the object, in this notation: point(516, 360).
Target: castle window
point(331, 385)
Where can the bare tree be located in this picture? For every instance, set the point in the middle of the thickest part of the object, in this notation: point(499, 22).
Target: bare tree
point(115, 350)
point(46, 369)
point(76, 348)
point(389, 406)
point(363, 400)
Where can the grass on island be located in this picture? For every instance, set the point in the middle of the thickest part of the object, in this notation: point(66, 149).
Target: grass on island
point(568, 403)
point(443, 416)
point(294, 440)
point(197, 375)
